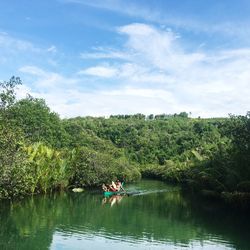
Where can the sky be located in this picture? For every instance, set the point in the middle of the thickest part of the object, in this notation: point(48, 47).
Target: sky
point(103, 57)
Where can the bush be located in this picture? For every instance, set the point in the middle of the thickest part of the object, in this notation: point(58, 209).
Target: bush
point(244, 186)
point(47, 168)
point(91, 168)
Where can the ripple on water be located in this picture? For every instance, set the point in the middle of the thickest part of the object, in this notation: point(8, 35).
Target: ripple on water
point(86, 238)
point(104, 241)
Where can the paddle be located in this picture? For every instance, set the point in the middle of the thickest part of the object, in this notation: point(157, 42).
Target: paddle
point(122, 188)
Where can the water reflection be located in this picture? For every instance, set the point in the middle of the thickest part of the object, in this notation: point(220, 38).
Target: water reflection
point(157, 217)
point(112, 200)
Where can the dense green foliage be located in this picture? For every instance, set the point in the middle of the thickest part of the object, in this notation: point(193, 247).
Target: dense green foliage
point(47, 168)
point(12, 160)
point(37, 121)
point(226, 173)
point(89, 167)
point(39, 152)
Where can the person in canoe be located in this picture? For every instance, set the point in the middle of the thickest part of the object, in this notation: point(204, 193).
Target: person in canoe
point(104, 188)
point(119, 185)
point(109, 187)
point(113, 187)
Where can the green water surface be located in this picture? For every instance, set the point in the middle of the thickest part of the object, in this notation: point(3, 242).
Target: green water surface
point(156, 217)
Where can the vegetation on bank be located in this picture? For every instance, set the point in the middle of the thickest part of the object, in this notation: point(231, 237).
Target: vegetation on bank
point(40, 152)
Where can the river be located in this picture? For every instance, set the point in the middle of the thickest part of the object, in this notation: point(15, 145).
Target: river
point(156, 217)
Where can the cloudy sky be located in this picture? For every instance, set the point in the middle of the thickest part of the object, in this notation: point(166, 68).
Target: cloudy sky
point(102, 57)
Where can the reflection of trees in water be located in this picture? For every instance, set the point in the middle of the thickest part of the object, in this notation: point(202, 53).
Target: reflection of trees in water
point(218, 219)
point(22, 226)
point(165, 216)
point(8, 231)
point(137, 217)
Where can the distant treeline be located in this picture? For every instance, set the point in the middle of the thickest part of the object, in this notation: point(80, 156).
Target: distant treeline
point(39, 152)
point(140, 116)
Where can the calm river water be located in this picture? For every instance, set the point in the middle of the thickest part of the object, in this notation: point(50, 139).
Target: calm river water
point(158, 217)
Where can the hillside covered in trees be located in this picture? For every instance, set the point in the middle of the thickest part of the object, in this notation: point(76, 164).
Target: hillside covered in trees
point(40, 152)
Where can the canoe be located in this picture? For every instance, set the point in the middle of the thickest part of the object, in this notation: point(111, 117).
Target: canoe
point(110, 193)
point(131, 193)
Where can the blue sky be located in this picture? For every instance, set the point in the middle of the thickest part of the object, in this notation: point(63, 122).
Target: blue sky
point(100, 57)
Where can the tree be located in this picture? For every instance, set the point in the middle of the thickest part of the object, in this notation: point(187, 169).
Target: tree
point(7, 92)
point(37, 121)
point(12, 166)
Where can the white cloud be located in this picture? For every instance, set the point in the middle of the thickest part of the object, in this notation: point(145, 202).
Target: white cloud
point(127, 72)
point(143, 92)
point(13, 44)
point(134, 73)
point(33, 70)
point(47, 81)
point(22, 91)
point(159, 47)
point(105, 53)
point(16, 52)
point(68, 101)
point(159, 76)
point(52, 49)
point(99, 71)
point(205, 83)
point(127, 101)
